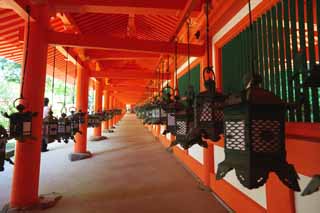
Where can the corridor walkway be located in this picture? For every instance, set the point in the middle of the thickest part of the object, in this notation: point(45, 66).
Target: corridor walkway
point(130, 172)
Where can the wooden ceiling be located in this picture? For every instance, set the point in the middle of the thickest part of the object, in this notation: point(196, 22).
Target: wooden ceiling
point(119, 41)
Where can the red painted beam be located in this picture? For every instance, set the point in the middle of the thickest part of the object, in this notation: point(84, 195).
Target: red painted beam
point(185, 14)
point(19, 6)
point(112, 43)
point(164, 7)
point(126, 75)
point(109, 55)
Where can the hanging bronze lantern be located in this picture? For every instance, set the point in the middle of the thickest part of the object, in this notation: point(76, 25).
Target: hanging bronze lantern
point(95, 119)
point(64, 128)
point(92, 120)
point(110, 114)
point(174, 107)
point(105, 116)
point(76, 119)
point(184, 122)
point(98, 118)
point(20, 127)
point(50, 128)
point(209, 108)
point(156, 111)
point(148, 113)
point(254, 128)
point(3, 143)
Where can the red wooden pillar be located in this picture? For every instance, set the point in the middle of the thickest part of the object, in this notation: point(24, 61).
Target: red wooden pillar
point(25, 184)
point(208, 163)
point(105, 124)
point(98, 105)
point(110, 108)
point(82, 90)
point(277, 191)
point(114, 106)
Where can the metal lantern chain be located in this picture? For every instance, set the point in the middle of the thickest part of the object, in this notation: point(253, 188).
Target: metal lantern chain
point(64, 123)
point(28, 10)
point(207, 33)
point(74, 81)
point(188, 44)
point(50, 123)
point(53, 72)
point(65, 80)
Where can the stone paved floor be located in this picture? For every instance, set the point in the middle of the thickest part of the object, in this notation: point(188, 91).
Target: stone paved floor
point(129, 172)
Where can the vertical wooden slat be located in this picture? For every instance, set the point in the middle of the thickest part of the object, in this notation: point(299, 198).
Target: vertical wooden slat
point(277, 76)
point(270, 48)
point(318, 27)
point(288, 56)
point(255, 48)
point(312, 60)
point(307, 111)
point(260, 47)
point(241, 53)
point(265, 55)
point(238, 54)
point(246, 51)
point(281, 53)
point(294, 52)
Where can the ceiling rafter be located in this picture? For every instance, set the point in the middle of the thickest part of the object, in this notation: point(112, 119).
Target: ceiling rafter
point(112, 43)
point(130, 75)
point(164, 7)
point(18, 6)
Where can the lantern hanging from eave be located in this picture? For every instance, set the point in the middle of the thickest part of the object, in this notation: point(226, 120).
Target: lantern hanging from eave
point(3, 142)
point(76, 119)
point(90, 120)
point(20, 123)
point(174, 107)
point(64, 128)
point(254, 128)
point(184, 121)
point(209, 108)
point(159, 116)
point(98, 118)
point(50, 128)
point(105, 115)
point(148, 114)
point(94, 120)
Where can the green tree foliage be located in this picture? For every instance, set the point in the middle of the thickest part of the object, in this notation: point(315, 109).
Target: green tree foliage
point(10, 70)
point(10, 77)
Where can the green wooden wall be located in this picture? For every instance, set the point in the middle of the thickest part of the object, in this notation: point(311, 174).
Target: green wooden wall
point(194, 80)
point(275, 59)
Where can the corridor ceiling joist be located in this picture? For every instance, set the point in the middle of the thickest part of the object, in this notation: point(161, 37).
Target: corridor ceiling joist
point(128, 75)
point(112, 43)
point(123, 41)
point(138, 7)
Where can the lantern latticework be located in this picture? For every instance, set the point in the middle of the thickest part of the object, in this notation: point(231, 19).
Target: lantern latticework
point(64, 128)
point(172, 109)
point(209, 109)
point(254, 129)
point(76, 119)
point(50, 128)
point(95, 119)
point(184, 121)
point(148, 114)
point(20, 123)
